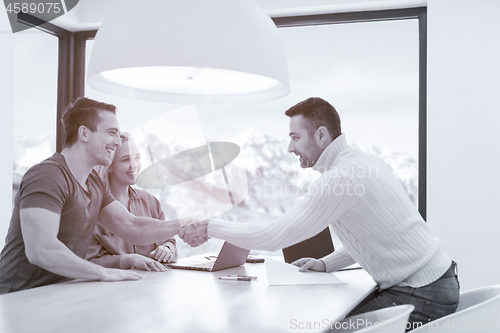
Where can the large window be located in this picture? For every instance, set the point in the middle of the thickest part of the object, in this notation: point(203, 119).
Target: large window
point(369, 71)
point(35, 99)
point(372, 71)
point(34, 102)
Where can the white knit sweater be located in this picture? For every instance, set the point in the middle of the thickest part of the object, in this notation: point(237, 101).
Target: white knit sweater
point(359, 196)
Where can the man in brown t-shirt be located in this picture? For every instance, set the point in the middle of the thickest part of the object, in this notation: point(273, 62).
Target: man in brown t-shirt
point(59, 202)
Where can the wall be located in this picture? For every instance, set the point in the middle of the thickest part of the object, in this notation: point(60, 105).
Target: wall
point(464, 135)
point(7, 60)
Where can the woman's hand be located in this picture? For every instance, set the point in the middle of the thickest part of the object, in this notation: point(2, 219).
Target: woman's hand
point(163, 254)
point(141, 262)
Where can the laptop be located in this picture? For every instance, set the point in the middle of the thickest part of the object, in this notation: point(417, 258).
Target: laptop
point(229, 256)
point(315, 247)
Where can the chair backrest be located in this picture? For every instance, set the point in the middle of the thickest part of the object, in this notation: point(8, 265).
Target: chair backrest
point(391, 320)
point(478, 311)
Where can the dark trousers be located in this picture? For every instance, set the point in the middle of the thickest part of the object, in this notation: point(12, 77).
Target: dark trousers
point(433, 301)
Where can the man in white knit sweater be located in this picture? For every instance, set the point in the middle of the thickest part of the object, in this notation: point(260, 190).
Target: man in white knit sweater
point(361, 199)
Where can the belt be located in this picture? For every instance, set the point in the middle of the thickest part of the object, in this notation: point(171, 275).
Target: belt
point(450, 272)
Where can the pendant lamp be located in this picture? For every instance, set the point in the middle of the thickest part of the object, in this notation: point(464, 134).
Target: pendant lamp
point(189, 52)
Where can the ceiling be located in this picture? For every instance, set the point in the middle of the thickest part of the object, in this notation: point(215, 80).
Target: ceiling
point(89, 14)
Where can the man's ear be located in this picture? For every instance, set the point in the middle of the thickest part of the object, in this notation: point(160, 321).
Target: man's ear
point(322, 135)
point(83, 133)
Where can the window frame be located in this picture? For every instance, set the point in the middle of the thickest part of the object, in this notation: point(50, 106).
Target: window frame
point(71, 67)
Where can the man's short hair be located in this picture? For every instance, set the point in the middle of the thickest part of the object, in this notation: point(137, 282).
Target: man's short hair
point(84, 111)
point(319, 113)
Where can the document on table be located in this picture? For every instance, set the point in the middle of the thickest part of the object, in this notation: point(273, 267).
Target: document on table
point(282, 274)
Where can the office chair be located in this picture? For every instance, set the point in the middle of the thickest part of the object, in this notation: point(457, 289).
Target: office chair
point(390, 320)
point(478, 311)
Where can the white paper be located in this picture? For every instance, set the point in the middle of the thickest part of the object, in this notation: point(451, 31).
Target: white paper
point(281, 274)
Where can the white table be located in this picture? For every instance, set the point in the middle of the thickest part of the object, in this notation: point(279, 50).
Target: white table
point(182, 301)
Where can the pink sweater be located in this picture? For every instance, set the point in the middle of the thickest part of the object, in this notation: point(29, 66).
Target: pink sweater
point(359, 196)
point(107, 249)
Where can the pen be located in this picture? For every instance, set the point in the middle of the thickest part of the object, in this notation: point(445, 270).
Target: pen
point(237, 277)
point(349, 269)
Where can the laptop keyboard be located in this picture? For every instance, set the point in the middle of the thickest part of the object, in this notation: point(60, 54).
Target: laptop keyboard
point(209, 264)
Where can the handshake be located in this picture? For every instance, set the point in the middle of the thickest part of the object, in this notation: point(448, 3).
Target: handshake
point(192, 232)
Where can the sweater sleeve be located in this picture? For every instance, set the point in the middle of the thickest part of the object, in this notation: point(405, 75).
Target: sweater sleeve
point(107, 249)
point(324, 203)
point(108, 260)
point(337, 260)
point(98, 254)
point(171, 242)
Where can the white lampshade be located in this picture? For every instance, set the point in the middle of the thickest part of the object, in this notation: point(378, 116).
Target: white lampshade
point(189, 52)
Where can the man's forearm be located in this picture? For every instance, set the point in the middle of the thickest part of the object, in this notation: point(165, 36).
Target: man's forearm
point(42, 248)
point(142, 230)
point(137, 230)
point(60, 260)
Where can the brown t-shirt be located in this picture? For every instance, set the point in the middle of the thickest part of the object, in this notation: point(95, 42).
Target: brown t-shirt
point(51, 185)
